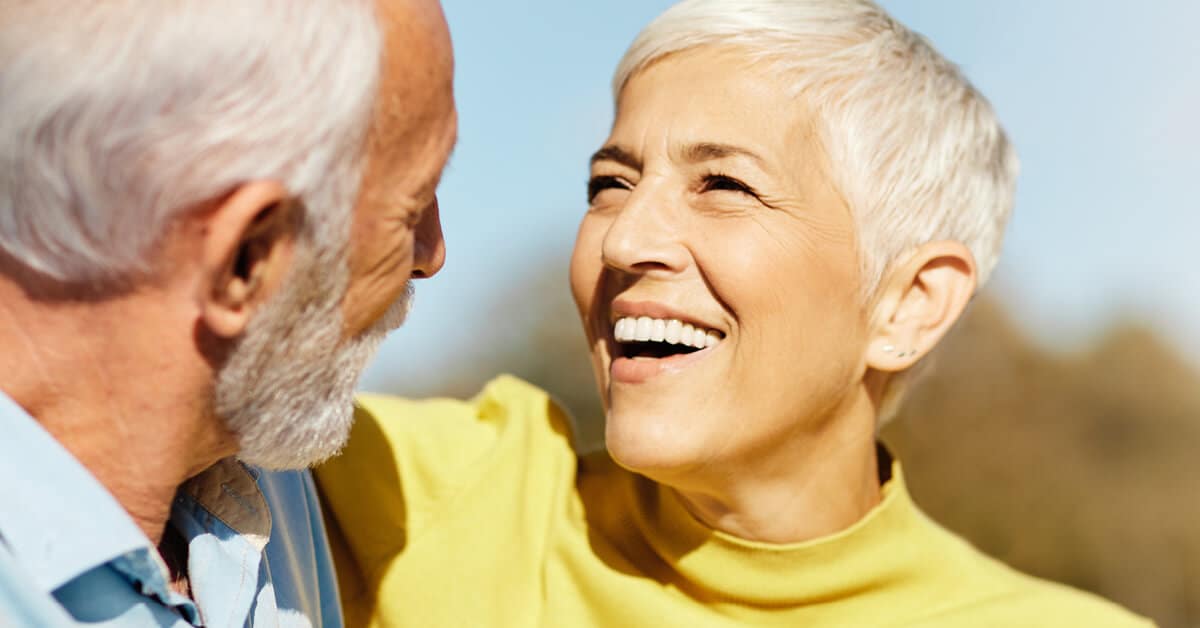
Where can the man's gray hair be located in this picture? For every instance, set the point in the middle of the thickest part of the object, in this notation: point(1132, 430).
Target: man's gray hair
point(915, 150)
point(117, 116)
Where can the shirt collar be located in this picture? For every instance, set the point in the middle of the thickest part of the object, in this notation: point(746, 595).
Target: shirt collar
point(866, 558)
point(56, 518)
point(229, 492)
point(225, 518)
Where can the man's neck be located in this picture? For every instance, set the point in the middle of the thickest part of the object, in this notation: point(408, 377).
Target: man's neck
point(102, 378)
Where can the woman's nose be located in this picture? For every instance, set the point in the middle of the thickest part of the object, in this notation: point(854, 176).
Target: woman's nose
point(644, 238)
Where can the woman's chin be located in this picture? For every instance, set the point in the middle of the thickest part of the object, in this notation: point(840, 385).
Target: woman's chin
point(651, 449)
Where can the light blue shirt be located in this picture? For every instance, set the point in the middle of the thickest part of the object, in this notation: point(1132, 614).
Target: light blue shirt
point(71, 555)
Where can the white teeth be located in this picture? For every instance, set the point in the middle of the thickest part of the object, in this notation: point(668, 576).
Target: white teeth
point(658, 330)
point(673, 331)
point(642, 332)
point(619, 328)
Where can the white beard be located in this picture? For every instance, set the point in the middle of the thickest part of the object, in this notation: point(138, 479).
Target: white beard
point(287, 390)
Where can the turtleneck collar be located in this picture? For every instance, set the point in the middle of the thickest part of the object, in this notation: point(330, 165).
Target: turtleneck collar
point(866, 557)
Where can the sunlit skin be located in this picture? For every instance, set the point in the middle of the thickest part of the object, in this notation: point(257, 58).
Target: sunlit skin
point(712, 197)
point(397, 234)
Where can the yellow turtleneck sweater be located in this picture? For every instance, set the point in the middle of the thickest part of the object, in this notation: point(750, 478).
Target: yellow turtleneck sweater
point(445, 513)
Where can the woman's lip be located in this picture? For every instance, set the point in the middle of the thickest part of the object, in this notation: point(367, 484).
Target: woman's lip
point(638, 370)
point(622, 308)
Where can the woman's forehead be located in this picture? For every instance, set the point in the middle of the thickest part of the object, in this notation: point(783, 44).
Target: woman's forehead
point(711, 103)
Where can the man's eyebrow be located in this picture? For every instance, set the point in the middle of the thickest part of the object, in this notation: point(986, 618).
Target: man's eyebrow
point(617, 154)
point(706, 151)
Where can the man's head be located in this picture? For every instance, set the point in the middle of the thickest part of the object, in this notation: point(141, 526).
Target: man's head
point(266, 170)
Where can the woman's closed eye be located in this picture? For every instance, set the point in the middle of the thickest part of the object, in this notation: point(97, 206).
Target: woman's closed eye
point(720, 182)
point(599, 183)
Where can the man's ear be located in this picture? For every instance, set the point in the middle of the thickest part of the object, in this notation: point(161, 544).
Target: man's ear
point(920, 300)
point(247, 250)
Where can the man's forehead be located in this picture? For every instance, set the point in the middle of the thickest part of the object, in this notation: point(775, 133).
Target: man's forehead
point(415, 120)
point(416, 86)
point(416, 30)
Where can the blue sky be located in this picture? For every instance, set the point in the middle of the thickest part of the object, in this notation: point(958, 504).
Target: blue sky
point(1102, 99)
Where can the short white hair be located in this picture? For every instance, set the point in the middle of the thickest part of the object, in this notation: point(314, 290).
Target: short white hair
point(914, 149)
point(117, 116)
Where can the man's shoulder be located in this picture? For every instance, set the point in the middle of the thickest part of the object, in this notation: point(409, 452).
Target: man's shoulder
point(22, 604)
point(99, 596)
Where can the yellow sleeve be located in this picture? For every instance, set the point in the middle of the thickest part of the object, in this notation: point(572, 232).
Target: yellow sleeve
point(434, 480)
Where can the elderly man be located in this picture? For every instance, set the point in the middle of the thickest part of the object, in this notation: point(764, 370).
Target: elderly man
point(210, 211)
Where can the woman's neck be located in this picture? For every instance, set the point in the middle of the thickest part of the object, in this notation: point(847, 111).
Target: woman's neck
point(812, 486)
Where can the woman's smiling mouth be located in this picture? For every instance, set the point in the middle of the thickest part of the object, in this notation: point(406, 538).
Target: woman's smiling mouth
point(648, 346)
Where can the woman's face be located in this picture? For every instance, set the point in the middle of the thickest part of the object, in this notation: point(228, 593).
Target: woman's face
point(711, 210)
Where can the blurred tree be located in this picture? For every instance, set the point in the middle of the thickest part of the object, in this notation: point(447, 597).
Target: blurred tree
point(1078, 468)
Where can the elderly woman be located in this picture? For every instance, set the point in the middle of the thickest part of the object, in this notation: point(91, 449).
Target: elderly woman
point(796, 202)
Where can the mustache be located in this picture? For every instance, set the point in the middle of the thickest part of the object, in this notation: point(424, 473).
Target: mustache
point(397, 312)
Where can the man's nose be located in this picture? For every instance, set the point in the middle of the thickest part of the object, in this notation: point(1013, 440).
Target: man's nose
point(429, 247)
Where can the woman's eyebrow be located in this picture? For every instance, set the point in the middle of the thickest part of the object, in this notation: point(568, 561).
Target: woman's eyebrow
point(692, 153)
point(707, 151)
point(615, 153)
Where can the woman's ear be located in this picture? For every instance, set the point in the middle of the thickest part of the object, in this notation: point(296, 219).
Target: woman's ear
point(247, 250)
point(920, 300)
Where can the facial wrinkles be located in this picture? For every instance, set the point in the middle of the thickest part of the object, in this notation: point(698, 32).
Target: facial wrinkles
point(807, 225)
point(391, 221)
point(832, 224)
point(801, 238)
